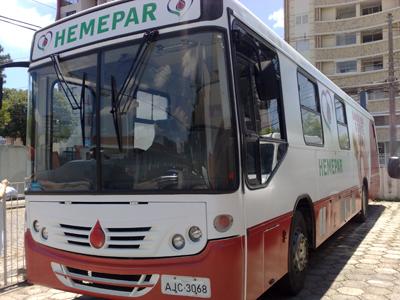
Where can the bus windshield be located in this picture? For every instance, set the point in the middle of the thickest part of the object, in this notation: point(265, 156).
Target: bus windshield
point(173, 129)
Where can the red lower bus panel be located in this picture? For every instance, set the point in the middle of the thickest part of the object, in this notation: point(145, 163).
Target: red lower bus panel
point(268, 245)
point(222, 262)
point(334, 218)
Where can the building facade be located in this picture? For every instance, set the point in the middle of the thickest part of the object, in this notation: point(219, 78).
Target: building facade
point(348, 41)
point(69, 7)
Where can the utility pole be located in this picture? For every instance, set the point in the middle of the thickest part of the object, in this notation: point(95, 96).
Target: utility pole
point(392, 103)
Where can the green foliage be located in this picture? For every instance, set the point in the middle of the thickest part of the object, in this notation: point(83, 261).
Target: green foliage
point(3, 59)
point(13, 114)
point(63, 121)
point(312, 125)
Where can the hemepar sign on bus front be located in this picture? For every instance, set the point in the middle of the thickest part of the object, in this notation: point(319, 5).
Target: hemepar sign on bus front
point(118, 20)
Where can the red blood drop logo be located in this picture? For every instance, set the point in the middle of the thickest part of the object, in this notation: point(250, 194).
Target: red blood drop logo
point(181, 5)
point(45, 41)
point(97, 237)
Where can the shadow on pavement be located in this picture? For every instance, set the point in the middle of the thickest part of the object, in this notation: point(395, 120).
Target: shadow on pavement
point(330, 258)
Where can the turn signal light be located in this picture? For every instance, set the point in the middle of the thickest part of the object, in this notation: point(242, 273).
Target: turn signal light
point(223, 223)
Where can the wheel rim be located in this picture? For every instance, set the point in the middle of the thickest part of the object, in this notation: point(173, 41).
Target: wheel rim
point(300, 254)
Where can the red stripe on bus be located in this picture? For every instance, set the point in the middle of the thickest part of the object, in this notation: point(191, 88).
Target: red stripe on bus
point(267, 243)
point(221, 261)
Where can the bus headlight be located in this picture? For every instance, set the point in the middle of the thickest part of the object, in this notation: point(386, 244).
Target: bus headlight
point(178, 241)
point(45, 233)
point(195, 233)
point(36, 225)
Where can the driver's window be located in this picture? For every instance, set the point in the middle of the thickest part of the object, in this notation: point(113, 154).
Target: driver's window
point(71, 127)
point(259, 90)
point(65, 126)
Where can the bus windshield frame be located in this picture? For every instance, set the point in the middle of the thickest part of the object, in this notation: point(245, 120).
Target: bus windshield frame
point(178, 129)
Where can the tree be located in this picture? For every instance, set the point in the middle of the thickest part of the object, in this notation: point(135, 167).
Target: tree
point(13, 114)
point(3, 59)
point(63, 121)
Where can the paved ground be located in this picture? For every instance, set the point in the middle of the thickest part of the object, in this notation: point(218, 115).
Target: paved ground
point(361, 261)
point(358, 262)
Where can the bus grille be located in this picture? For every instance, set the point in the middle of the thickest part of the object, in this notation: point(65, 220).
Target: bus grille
point(116, 238)
point(131, 285)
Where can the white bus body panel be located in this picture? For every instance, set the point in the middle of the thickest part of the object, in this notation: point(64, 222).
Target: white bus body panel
point(165, 214)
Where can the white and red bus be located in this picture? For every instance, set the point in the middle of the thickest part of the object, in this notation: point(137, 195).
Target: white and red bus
point(181, 148)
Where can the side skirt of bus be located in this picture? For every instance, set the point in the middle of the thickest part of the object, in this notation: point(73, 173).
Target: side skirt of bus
point(268, 242)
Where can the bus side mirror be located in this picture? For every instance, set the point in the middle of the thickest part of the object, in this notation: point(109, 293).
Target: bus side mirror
point(394, 167)
point(267, 83)
point(1, 91)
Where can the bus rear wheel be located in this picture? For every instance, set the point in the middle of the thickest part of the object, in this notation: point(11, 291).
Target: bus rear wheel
point(363, 215)
point(298, 256)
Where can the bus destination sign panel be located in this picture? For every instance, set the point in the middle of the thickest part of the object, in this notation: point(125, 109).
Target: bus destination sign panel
point(111, 22)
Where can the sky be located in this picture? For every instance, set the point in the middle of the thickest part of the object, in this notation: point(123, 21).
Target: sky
point(17, 41)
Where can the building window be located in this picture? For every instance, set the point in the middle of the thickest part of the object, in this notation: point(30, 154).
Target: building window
point(372, 36)
point(302, 19)
point(303, 45)
point(68, 2)
point(381, 148)
point(346, 39)
point(345, 12)
point(371, 8)
point(377, 94)
point(346, 66)
point(310, 111)
point(381, 120)
point(372, 64)
point(385, 120)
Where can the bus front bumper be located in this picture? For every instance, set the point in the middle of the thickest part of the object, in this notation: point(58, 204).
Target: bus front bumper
point(222, 262)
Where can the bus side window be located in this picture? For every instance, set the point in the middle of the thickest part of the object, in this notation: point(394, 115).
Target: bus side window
point(259, 93)
point(310, 111)
point(341, 118)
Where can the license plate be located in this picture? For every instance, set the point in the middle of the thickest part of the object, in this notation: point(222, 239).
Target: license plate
point(186, 286)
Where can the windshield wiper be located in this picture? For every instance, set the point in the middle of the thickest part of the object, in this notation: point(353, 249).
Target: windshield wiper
point(115, 112)
point(63, 83)
point(75, 105)
point(82, 108)
point(131, 83)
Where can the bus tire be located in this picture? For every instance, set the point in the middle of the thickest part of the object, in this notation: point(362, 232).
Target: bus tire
point(298, 255)
point(363, 215)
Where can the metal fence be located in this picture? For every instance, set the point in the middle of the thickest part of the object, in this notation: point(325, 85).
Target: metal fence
point(12, 228)
point(383, 159)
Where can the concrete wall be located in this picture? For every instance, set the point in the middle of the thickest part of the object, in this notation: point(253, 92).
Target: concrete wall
point(328, 41)
point(329, 68)
point(388, 4)
point(13, 162)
